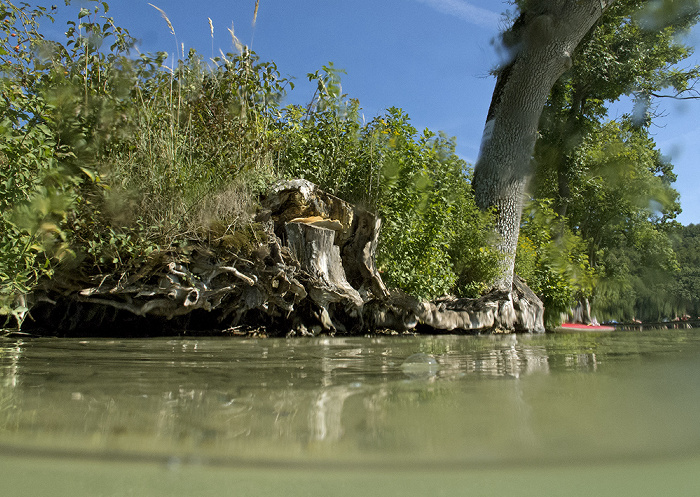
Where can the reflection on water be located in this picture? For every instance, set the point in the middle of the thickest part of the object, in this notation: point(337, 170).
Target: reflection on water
point(443, 401)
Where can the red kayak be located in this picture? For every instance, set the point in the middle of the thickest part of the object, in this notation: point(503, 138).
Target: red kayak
point(578, 327)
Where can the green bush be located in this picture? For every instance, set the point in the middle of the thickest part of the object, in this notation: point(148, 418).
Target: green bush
point(434, 239)
point(107, 158)
point(552, 260)
point(40, 147)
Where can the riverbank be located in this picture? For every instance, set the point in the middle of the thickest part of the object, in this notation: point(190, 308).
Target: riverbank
point(309, 268)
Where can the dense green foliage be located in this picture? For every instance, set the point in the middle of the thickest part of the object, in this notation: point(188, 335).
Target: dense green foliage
point(553, 260)
point(107, 158)
point(434, 239)
point(606, 180)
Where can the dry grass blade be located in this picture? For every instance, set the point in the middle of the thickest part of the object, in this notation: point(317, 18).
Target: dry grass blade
point(165, 16)
point(223, 56)
point(236, 42)
point(255, 14)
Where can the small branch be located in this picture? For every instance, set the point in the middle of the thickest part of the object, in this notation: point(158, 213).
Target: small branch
point(675, 97)
point(250, 280)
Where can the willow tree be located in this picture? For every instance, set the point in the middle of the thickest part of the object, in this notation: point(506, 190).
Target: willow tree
point(541, 41)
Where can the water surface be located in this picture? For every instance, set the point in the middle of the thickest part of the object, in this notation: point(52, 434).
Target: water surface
point(408, 415)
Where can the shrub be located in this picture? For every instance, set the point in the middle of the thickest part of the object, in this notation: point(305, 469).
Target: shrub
point(434, 239)
point(552, 260)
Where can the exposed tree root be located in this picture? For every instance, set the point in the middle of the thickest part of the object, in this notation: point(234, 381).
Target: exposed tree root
point(314, 274)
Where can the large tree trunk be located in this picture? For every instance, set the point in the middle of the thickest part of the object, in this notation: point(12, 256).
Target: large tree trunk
point(542, 41)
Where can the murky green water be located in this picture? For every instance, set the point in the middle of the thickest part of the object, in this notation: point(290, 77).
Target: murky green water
point(575, 414)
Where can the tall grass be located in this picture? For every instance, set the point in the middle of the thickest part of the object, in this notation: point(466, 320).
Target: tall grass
point(203, 133)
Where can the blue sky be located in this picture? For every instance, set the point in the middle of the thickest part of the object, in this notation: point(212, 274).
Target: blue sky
point(429, 57)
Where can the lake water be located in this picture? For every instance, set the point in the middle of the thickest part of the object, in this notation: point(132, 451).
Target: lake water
point(575, 414)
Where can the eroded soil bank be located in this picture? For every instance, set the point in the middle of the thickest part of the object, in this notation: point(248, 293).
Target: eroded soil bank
point(309, 268)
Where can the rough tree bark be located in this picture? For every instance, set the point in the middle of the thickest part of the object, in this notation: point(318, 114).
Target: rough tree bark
point(542, 41)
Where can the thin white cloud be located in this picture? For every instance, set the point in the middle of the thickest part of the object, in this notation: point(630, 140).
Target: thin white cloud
point(465, 11)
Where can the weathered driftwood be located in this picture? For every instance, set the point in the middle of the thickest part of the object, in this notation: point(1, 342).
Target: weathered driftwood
point(356, 230)
point(313, 272)
point(520, 310)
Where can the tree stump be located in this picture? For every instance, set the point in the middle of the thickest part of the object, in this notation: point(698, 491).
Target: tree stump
point(313, 247)
point(356, 229)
